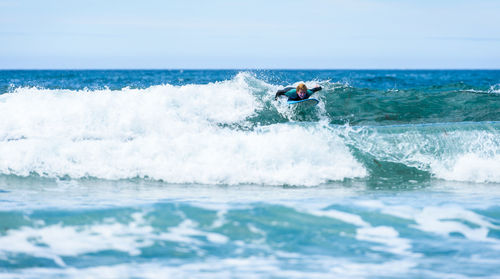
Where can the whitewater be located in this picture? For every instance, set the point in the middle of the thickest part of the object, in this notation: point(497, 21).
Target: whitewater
point(201, 173)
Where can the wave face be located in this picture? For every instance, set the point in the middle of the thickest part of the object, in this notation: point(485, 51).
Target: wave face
point(190, 127)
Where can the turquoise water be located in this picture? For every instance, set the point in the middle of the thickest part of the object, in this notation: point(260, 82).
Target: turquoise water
point(200, 173)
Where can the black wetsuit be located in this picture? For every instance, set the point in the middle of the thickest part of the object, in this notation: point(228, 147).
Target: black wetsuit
point(291, 93)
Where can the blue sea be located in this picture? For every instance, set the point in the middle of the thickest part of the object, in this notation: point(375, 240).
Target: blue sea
point(202, 174)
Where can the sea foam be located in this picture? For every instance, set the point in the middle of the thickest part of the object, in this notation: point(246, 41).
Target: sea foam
point(178, 134)
point(450, 151)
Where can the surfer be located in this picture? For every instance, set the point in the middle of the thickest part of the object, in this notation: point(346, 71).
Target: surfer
point(299, 93)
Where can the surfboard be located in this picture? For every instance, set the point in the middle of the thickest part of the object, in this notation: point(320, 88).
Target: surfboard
point(307, 103)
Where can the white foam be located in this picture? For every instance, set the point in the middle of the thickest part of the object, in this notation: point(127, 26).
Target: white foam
point(55, 241)
point(185, 231)
point(471, 167)
point(250, 267)
point(467, 152)
point(401, 211)
point(494, 89)
point(342, 216)
point(387, 236)
point(165, 132)
point(450, 219)
point(442, 220)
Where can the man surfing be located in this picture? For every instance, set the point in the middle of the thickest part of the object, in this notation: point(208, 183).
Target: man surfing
point(296, 94)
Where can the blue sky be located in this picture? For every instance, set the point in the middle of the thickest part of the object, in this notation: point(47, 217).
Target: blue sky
point(402, 34)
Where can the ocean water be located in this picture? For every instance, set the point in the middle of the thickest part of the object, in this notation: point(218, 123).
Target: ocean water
point(201, 174)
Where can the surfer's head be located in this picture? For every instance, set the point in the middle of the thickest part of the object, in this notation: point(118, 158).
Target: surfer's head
point(302, 91)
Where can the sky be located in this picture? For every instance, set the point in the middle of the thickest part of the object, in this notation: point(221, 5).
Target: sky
point(258, 34)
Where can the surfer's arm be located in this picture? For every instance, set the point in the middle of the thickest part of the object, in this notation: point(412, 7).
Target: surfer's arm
point(316, 89)
point(282, 92)
point(311, 91)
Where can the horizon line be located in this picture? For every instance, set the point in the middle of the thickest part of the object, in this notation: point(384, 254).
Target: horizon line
point(248, 69)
